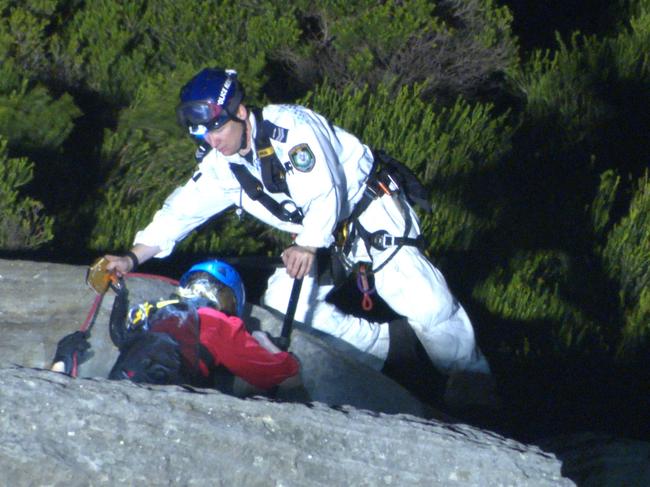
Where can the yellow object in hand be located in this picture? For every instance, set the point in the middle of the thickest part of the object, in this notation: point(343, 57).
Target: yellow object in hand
point(98, 278)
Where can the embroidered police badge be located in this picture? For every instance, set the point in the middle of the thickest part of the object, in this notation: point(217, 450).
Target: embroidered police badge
point(302, 157)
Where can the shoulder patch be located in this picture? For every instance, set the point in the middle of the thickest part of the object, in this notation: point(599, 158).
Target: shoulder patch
point(274, 132)
point(302, 157)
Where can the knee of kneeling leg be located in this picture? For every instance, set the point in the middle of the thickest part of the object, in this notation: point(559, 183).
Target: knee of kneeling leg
point(404, 345)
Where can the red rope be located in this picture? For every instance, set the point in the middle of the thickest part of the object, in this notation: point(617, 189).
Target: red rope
point(93, 309)
point(169, 280)
point(84, 327)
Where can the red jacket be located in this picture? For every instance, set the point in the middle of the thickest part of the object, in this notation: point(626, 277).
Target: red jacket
point(232, 346)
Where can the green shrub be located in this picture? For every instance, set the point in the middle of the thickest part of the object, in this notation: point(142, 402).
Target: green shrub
point(530, 292)
point(111, 47)
point(24, 31)
point(581, 148)
point(583, 86)
point(31, 118)
point(626, 258)
point(450, 149)
point(601, 208)
point(22, 222)
point(637, 328)
point(559, 87)
point(450, 47)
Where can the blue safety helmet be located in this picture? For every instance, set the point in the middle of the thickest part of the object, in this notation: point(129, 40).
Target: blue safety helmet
point(209, 100)
point(225, 274)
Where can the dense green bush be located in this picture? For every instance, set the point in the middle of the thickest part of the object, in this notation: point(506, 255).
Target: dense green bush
point(23, 224)
point(532, 290)
point(579, 152)
point(31, 118)
point(601, 207)
point(448, 148)
point(627, 260)
point(25, 29)
point(449, 47)
point(580, 95)
point(110, 48)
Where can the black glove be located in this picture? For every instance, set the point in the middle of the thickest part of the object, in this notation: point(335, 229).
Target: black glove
point(68, 345)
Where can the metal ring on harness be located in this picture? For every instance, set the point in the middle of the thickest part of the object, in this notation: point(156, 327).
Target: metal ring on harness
point(291, 211)
point(381, 240)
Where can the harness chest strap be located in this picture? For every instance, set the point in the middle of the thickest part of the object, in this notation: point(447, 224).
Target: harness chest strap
point(273, 177)
point(273, 172)
point(255, 191)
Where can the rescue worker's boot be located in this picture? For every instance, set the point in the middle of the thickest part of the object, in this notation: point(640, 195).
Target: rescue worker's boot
point(468, 390)
point(408, 364)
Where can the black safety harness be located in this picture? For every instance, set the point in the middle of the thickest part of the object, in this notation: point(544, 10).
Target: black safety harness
point(388, 177)
point(273, 176)
point(122, 334)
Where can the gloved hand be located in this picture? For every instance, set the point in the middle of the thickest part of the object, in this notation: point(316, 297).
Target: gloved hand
point(68, 345)
point(271, 343)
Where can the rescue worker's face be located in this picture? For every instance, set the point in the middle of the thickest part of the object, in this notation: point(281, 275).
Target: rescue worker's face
point(227, 139)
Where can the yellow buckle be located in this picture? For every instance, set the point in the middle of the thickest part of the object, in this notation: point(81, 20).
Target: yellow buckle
point(265, 151)
point(139, 315)
point(342, 233)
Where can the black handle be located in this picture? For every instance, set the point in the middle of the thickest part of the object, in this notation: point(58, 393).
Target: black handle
point(287, 324)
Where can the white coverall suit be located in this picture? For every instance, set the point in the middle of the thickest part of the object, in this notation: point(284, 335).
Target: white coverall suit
point(327, 168)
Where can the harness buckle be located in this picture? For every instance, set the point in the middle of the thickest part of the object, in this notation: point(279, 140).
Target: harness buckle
point(138, 316)
point(290, 211)
point(370, 190)
point(392, 184)
point(382, 240)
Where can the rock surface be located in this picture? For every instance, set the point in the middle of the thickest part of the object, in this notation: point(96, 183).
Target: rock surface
point(61, 431)
point(55, 430)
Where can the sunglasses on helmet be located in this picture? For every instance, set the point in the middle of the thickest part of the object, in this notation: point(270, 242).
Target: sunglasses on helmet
point(201, 116)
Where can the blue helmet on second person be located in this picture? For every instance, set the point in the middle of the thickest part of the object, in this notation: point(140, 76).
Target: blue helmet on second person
point(209, 100)
point(223, 273)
